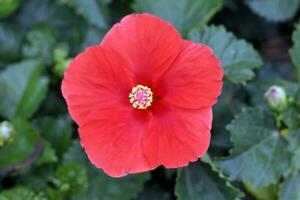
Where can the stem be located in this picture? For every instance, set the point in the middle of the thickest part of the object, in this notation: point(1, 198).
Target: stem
point(278, 120)
point(25, 163)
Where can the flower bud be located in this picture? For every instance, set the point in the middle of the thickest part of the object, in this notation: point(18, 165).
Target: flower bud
point(6, 133)
point(276, 98)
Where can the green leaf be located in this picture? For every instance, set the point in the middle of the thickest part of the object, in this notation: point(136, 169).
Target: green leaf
point(185, 15)
point(154, 192)
point(54, 105)
point(49, 11)
point(101, 186)
point(7, 7)
point(40, 42)
point(260, 155)
point(293, 91)
point(295, 50)
point(203, 181)
point(48, 154)
point(10, 40)
point(70, 180)
point(290, 188)
point(94, 11)
point(68, 25)
point(291, 117)
point(274, 10)
point(72, 176)
point(238, 57)
point(293, 137)
point(263, 193)
point(93, 36)
point(22, 89)
point(57, 131)
point(37, 177)
point(21, 193)
point(22, 145)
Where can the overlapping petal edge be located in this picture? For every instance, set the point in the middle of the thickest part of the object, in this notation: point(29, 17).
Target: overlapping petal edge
point(185, 77)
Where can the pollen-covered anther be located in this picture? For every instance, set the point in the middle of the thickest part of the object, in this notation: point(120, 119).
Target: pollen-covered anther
point(141, 97)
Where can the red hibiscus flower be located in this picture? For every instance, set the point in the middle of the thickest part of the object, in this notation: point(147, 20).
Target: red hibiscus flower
point(143, 97)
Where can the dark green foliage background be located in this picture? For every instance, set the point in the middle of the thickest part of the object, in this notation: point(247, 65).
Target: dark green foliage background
point(254, 152)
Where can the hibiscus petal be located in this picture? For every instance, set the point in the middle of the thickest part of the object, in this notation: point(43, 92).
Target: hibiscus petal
point(185, 78)
point(113, 142)
point(119, 144)
point(179, 137)
point(147, 45)
point(92, 83)
point(194, 80)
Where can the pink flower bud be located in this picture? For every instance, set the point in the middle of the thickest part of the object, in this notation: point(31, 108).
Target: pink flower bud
point(276, 98)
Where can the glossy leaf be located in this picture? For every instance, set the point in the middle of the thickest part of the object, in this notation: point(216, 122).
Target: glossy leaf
point(8, 7)
point(238, 57)
point(203, 181)
point(40, 42)
point(293, 137)
point(94, 11)
point(68, 25)
point(21, 147)
point(38, 177)
point(93, 36)
point(274, 10)
point(291, 117)
point(10, 40)
point(101, 186)
point(259, 155)
point(183, 14)
point(57, 131)
point(48, 154)
point(290, 188)
point(22, 89)
point(154, 192)
point(25, 146)
point(295, 50)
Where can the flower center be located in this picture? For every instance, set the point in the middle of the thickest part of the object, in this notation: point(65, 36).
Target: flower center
point(141, 97)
